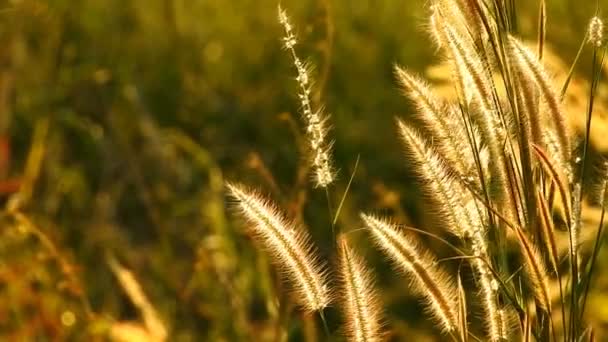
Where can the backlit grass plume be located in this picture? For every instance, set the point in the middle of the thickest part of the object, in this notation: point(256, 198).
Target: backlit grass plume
point(359, 297)
point(430, 281)
point(461, 214)
point(441, 121)
point(498, 170)
point(289, 246)
point(532, 68)
point(315, 119)
point(503, 167)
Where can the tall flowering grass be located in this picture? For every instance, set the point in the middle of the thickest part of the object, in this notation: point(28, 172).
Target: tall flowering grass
point(315, 119)
point(500, 169)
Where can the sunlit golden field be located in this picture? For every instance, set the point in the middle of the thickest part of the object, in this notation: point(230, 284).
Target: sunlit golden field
point(321, 170)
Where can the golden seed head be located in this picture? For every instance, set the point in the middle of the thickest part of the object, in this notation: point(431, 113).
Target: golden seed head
point(288, 243)
point(360, 299)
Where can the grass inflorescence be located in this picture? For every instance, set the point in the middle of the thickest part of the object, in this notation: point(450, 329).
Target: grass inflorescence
point(498, 167)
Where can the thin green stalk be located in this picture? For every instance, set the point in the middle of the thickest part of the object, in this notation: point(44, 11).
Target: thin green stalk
point(563, 306)
point(595, 74)
point(325, 327)
point(596, 248)
point(437, 237)
point(542, 21)
point(350, 181)
point(331, 211)
point(571, 72)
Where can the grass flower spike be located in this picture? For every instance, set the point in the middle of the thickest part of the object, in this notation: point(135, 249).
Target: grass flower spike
point(316, 121)
point(430, 281)
point(289, 246)
point(361, 304)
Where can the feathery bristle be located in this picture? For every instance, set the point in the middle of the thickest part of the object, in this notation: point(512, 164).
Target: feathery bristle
point(535, 270)
point(528, 129)
point(472, 75)
point(475, 84)
point(468, 8)
point(462, 15)
point(488, 286)
point(528, 59)
point(575, 225)
point(289, 245)
point(454, 202)
point(474, 89)
point(361, 303)
point(438, 289)
point(553, 149)
point(316, 120)
point(434, 29)
point(441, 187)
point(441, 122)
point(463, 220)
point(527, 93)
point(462, 311)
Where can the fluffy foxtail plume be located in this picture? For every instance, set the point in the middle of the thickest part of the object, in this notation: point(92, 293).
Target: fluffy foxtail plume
point(316, 121)
point(469, 9)
point(539, 76)
point(548, 139)
point(440, 121)
point(440, 185)
point(474, 87)
point(454, 202)
point(289, 245)
point(438, 288)
point(526, 93)
point(535, 270)
point(461, 215)
point(463, 15)
point(361, 304)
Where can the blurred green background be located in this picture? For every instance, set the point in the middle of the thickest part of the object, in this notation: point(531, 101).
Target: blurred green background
point(120, 120)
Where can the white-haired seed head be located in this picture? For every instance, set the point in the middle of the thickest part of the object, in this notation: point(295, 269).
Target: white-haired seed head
point(289, 245)
point(427, 278)
point(360, 300)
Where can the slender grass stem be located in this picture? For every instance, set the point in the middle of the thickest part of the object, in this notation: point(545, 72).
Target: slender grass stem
point(598, 243)
point(571, 71)
point(331, 212)
point(350, 181)
point(325, 326)
point(595, 74)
